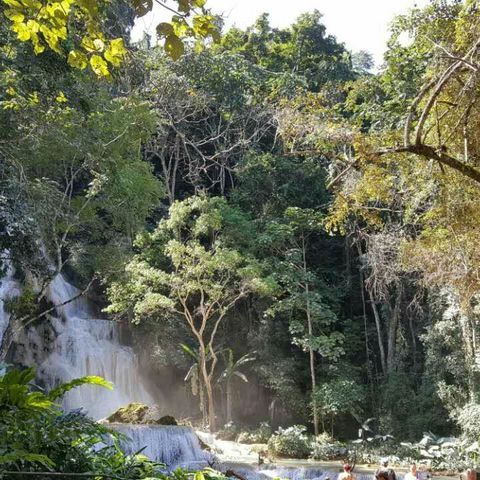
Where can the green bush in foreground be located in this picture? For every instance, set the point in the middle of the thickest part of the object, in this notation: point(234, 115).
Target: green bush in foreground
point(261, 434)
point(37, 436)
point(325, 447)
point(290, 442)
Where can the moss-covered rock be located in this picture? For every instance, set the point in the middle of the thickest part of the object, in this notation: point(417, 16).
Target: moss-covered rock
point(132, 413)
point(139, 413)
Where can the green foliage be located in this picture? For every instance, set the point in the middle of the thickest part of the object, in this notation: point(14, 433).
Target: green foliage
point(37, 435)
point(181, 474)
point(304, 47)
point(187, 269)
point(468, 419)
point(85, 189)
point(326, 448)
point(187, 255)
point(232, 366)
point(24, 305)
point(87, 42)
point(61, 390)
point(263, 122)
point(260, 434)
point(291, 442)
point(15, 392)
point(339, 397)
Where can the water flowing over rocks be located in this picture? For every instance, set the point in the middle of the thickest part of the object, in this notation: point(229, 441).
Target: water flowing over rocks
point(175, 446)
point(73, 343)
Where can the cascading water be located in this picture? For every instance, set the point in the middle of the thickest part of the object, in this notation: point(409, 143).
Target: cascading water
point(89, 346)
point(175, 446)
point(74, 344)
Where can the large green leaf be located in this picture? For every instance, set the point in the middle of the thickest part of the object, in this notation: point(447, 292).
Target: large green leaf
point(174, 46)
point(20, 455)
point(89, 380)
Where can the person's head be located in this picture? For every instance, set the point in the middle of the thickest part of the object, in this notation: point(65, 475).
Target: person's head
point(384, 462)
point(347, 467)
point(413, 468)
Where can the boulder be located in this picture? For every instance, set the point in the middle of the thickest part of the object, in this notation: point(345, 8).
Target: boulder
point(132, 413)
point(166, 420)
point(139, 413)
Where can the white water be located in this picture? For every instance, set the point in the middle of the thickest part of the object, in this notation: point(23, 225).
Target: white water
point(76, 345)
point(90, 346)
point(174, 446)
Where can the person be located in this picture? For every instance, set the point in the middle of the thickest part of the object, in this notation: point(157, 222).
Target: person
point(412, 473)
point(384, 472)
point(347, 473)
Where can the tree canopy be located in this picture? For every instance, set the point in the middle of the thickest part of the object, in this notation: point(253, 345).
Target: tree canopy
point(264, 193)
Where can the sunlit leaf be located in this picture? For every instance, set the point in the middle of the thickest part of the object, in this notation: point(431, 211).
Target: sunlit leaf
point(174, 47)
point(99, 66)
point(77, 59)
point(89, 380)
point(164, 29)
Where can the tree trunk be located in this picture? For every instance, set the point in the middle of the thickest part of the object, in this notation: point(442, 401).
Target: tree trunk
point(203, 410)
point(208, 387)
point(229, 400)
point(314, 386)
point(7, 340)
point(311, 353)
point(378, 324)
point(211, 407)
point(469, 353)
point(393, 327)
point(414, 342)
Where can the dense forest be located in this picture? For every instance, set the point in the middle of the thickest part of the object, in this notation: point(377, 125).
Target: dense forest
point(285, 233)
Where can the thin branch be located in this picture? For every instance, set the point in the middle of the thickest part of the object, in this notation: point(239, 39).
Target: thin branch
point(27, 320)
point(339, 176)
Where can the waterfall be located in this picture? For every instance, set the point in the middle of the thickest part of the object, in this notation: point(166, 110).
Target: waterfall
point(71, 344)
point(174, 446)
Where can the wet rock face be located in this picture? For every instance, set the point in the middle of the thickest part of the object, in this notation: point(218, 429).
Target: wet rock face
point(141, 414)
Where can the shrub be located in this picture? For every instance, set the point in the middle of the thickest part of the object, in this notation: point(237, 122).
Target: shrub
point(291, 442)
point(229, 432)
point(468, 420)
point(37, 436)
point(324, 439)
point(326, 448)
point(261, 434)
